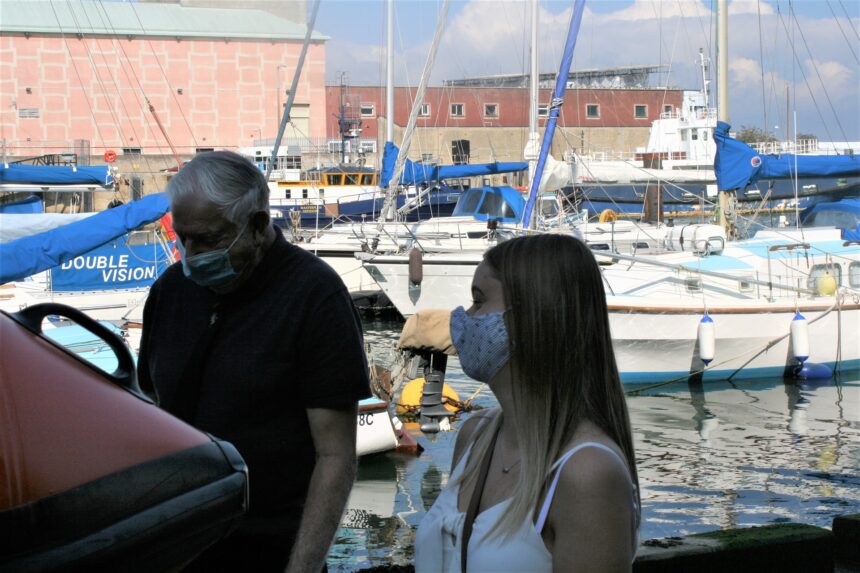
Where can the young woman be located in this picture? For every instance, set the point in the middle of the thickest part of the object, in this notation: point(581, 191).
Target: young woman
point(551, 473)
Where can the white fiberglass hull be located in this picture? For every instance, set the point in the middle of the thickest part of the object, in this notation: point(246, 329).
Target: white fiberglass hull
point(374, 430)
point(111, 305)
point(659, 342)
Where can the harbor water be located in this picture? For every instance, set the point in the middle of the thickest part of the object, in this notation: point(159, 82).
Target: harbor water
point(710, 456)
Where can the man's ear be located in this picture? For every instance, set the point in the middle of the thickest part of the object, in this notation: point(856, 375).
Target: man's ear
point(260, 222)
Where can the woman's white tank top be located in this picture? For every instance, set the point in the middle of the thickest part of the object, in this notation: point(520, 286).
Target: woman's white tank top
point(437, 541)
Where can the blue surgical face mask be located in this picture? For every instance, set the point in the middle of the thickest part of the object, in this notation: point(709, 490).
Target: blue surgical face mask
point(212, 268)
point(481, 342)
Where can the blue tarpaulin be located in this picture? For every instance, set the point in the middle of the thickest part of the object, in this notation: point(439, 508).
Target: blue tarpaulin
point(415, 173)
point(389, 159)
point(55, 175)
point(30, 255)
point(738, 166)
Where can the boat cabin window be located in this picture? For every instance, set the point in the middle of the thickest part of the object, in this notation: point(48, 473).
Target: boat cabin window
point(694, 134)
point(335, 179)
point(683, 135)
point(599, 246)
point(469, 202)
point(818, 271)
point(314, 176)
point(494, 206)
point(704, 135)
point(289, 194)
point(549, 208)
point(367, 179)
point(351, 179)
point(833, 218)
point(854, 274)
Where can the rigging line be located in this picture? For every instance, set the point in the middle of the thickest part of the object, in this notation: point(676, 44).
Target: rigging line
point(78, 75)
point(761, 67)
point(836, 19)
point(841, 5)
point(805, 80)
point(164, 75)
point(107, 23)
point(815, 67)
point(111, 108)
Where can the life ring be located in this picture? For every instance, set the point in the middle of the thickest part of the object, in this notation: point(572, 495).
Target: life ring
point(608, 216)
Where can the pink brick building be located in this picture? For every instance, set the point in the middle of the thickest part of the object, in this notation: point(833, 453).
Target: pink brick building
point(216, 77)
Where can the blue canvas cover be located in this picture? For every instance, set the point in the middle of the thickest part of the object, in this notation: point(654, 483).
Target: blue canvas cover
point(389, 159)
point(30, 255)
point(31, 204)
point(843, 214)
point(56, 175)
point(417, 173)
point(116, 265)
point(504, 204)
point(738, 166)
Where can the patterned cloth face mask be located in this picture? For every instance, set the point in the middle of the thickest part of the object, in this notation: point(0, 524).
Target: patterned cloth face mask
point(481, 342)
point(212, 268)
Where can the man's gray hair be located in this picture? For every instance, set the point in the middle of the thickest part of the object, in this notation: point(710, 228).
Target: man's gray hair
point(227, 179)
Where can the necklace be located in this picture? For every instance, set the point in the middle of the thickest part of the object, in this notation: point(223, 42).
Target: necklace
point(510, 467)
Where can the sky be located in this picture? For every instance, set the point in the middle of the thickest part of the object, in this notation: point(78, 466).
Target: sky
point(808, 49)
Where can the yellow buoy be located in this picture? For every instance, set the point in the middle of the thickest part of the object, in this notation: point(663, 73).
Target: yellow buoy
point(410, 397)
point(826, 284)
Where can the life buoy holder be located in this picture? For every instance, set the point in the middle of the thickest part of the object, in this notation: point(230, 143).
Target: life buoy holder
point(608, 216)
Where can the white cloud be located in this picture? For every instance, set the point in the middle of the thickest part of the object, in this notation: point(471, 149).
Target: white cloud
point(750, 7)
point(655, 9)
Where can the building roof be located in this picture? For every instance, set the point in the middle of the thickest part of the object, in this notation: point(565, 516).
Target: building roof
point(107, 18)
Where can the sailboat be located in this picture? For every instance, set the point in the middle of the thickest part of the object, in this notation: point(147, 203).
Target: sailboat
point(714, 309)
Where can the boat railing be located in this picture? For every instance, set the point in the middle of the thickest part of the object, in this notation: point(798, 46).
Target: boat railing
point(799, 147)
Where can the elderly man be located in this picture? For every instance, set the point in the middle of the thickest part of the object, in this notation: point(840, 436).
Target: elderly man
point(256, 341)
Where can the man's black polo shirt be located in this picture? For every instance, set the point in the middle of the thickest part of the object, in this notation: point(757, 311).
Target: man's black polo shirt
point(287, 340)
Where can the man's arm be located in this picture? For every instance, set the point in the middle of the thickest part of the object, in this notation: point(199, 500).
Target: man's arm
point(333, 433)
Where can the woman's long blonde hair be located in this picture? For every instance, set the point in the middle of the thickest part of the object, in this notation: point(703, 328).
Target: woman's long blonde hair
point(562, 364)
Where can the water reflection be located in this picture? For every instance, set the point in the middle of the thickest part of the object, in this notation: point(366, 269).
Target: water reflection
point(710, 456)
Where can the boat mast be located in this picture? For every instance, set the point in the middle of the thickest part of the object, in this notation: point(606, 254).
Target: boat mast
point(293, 87)
point(554, 108)
point(727, 196)
point(389, 73)
point(532, 147)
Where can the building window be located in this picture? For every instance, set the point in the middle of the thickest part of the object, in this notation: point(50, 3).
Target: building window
point(543, 110)
point(367, 146)
point(368, 110)
point(305, 193)
point(640, 111)
point(704, 135)
point(667, 108)
point(592, 111)
point(131, 151)
point(457, 110)
point(28, 113)
point(424, 110)
point(491, 110)
point(694, 134)
point(684, 135)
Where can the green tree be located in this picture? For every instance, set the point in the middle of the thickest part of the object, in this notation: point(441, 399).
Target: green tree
point(754, 135)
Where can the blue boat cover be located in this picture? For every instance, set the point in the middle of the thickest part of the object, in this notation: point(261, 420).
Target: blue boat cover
point(843, 214)
point(56, 174)
point(415, 173)
point(30, 255)
point(504, 204)
point(738, 166)
point(389, 159)
point(30, 204)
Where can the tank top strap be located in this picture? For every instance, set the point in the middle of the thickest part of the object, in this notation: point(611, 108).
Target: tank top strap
point(557, 467)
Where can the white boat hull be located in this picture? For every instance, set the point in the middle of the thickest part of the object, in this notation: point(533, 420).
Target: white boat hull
point(374, 430)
